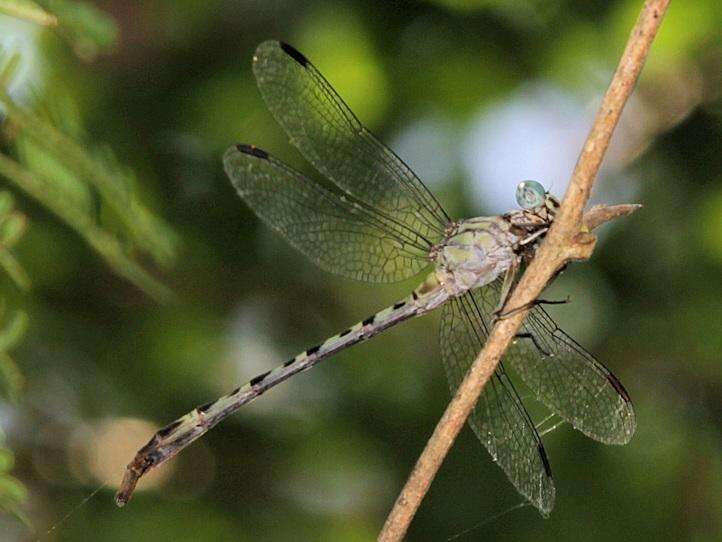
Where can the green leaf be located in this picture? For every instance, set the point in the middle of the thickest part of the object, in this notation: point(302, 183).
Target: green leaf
point(11, 378)
point(29, 11)
point(106, 244)
point(96, 168)
point(89, 30)
point(7, 203)
point(12, 226)
point(13, 331)
point(11, 491)
point(35, 157)
point(7, 460)
point(12, 229)
point(80, 184)
point(8, 68)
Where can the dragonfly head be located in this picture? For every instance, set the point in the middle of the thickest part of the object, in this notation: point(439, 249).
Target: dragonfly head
point(532, 195)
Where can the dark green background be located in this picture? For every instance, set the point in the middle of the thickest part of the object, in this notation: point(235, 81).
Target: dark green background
point(323, 456)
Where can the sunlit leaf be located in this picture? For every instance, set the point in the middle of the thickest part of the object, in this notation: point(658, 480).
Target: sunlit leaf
point(12, 380)
point(12, 227)
point(12, 491)
point(90, 30)
point(7, 460)
point(9, 64)
point(13, 330)
point(29, 11)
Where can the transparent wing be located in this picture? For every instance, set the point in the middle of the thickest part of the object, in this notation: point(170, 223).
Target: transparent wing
point(570, 382)
point(340, 236)
point(499, 418)
point(330, 136)
point(567, 378)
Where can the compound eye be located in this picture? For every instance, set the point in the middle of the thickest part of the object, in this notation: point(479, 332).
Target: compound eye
point(530, 194)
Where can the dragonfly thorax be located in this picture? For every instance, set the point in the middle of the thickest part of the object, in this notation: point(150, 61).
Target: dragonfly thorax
point(475, 253)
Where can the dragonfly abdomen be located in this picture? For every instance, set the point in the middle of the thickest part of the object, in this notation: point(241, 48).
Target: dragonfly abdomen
point(171, 439)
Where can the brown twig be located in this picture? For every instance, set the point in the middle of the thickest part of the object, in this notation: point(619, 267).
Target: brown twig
point(601, 214)
point(567, 240)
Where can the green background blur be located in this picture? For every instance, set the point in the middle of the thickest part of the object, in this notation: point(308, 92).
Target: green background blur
point(475, 96)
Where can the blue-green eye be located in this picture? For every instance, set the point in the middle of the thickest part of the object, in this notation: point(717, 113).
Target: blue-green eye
point(530, 194)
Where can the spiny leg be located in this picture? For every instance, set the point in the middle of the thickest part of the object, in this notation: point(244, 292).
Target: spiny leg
point(506, 288)
point(533, 339)
point(534, 236)
point(531, 304)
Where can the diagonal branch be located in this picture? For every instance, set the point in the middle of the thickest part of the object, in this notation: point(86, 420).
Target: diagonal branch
point(568, 239)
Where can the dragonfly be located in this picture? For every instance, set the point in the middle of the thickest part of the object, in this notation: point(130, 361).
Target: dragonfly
point(377, 222)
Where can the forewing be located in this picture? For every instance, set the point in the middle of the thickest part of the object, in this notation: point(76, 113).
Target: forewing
point(499, 418)
point(570, 382)
point(338, 235)
point(330, 136)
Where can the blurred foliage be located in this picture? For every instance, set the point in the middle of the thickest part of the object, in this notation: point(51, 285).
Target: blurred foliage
point(84, 185)
point(12, 228)
point(13, 493)
point(168, 86)
point(11, 379)
point(29, 11)
point(81, 183)
point(89, 30)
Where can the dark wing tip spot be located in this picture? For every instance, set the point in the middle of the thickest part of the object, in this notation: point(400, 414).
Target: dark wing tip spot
point(252, 150)
point(369, 320)
point(545, 460)
point(294, 54)
point(399, 305)
point(617, 385)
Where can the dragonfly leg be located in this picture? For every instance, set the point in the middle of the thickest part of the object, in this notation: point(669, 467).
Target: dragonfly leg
point(512, 312)
point(533, 339)
point(568, 299)
point(506, 288)
point(534, 236)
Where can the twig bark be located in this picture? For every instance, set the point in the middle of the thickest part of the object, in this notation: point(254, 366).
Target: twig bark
point(568, 239)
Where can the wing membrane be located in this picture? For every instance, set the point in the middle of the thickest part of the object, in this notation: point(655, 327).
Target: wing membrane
point(570, 382)
point(567, 378)
point(499, 418)
point(339, 235)
point(330, 136)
